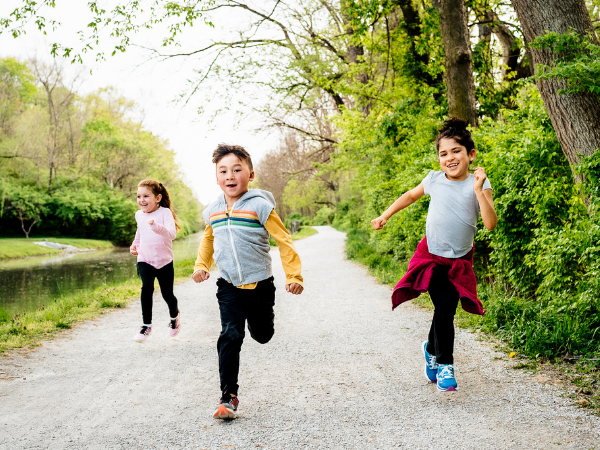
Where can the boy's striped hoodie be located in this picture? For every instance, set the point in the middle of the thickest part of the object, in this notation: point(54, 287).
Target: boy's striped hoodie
point(241, 241)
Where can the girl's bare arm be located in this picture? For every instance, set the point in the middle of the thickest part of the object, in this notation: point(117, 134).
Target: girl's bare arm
point(486, 202)
point(407, 199)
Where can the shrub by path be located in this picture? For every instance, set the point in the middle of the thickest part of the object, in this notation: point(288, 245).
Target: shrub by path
point(342, 372)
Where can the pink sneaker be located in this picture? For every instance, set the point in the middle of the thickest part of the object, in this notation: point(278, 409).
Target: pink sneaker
point(174, 325)
point(142, 334)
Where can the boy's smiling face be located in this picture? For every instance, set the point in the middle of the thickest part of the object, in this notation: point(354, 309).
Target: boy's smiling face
point(233, 176)
point(454, 159)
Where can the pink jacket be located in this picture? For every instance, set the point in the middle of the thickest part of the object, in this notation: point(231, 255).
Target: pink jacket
point(154, 243)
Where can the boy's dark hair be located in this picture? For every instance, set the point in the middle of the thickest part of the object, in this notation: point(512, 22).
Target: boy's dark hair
point(237, 150)
point(455, 128)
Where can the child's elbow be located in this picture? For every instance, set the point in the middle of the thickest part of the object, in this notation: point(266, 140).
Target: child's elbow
point(490, 225)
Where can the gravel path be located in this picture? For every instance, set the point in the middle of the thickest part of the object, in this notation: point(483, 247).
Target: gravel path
point(342, 372)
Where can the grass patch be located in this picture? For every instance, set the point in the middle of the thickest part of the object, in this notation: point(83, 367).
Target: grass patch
point(560, 341)
point(82, 243)
point(302, 233)
point(27, 329)
point(21, 247)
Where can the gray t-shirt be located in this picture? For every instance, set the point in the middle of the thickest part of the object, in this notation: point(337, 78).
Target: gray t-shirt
point(453, 212)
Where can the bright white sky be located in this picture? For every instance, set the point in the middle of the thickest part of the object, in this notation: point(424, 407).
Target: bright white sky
point(153, 86)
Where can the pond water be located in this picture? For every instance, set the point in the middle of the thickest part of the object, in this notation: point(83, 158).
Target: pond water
point(28, 283)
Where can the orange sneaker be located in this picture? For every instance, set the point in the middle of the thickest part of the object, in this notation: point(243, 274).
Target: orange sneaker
point(227, 407)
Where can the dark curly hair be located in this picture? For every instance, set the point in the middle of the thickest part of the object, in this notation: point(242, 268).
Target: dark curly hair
point(237, 150)
point(455, 128)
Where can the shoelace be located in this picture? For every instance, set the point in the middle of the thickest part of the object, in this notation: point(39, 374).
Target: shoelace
point(144, 330)
point(447, 372)
point(173, 323)
point(431, 361)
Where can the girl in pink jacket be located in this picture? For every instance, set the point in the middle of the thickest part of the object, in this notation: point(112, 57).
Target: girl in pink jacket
point(156, 228)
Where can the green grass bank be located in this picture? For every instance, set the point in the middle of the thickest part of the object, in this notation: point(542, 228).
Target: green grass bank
point(302, 233)
point(542, 337)
point(22, 247)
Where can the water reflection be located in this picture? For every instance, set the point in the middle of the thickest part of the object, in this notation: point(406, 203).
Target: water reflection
point(28, 283)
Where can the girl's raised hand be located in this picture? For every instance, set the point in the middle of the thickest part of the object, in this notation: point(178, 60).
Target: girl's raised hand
point(378, 223)
point(480, 177)
point(151, 222)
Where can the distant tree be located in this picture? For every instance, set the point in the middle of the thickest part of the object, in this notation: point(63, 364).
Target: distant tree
point(25, 204)
point(17, 90)
point(59, 101)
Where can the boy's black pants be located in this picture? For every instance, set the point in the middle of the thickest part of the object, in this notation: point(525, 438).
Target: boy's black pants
point(165, 276)
point(236, 306)
point(445, 300)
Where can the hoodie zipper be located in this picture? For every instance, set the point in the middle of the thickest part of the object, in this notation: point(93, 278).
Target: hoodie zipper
point(237, 261)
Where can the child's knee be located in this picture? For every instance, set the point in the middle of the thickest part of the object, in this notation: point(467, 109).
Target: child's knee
point(445, 311)
point(231, 333)
point(264, 336)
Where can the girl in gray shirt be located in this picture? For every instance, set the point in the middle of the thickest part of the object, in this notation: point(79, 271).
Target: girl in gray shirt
point(442, 264)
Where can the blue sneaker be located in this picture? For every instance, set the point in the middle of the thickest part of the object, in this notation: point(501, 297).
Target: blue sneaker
point(445, 378)
point(431, 367)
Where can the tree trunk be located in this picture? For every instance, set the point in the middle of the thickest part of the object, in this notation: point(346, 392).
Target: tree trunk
point(412, 27)
point(576, 118)
point(23, 219)
point(513, 68)
point(355, 55)
point(460, 86)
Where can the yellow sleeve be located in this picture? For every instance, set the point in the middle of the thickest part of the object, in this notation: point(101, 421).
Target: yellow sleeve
point(205, 251)
point(289, 258)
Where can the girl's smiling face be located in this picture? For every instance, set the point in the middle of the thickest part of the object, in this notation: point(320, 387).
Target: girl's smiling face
point(146, 200)
point(454, 159)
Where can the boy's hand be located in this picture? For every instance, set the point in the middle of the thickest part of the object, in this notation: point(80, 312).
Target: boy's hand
point(151, 222)
point(200, 276)
point(378, 223)
point(480, 177)
point(294, 288)
point(133, 250)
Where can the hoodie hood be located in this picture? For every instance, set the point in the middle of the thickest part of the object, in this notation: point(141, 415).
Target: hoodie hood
point(252, 193)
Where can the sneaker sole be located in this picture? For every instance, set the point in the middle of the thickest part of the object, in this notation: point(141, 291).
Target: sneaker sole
point(450, 389)
point(223, 413)
point(425, 368)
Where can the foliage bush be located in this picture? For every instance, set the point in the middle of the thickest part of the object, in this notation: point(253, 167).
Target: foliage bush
point(85, 184)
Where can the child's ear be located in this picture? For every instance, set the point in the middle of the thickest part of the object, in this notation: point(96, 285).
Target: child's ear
point(251, 178)
point(472, 155)
point(159, 198)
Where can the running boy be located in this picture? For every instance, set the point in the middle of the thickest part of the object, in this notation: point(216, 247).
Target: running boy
point(237, 236)
point(443, 262)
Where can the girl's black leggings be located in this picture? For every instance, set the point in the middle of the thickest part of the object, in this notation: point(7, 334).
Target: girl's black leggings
point(445, 300)
point(165, 276)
